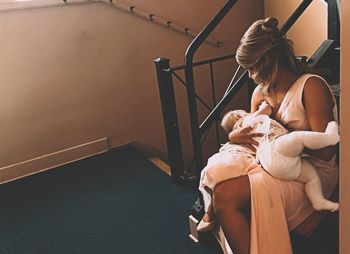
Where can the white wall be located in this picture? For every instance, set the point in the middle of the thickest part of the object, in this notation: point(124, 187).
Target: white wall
point(309, 31)
point(74, 74)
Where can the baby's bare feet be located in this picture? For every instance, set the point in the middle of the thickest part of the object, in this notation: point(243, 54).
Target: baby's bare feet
point(325, 204)
point(332, 131)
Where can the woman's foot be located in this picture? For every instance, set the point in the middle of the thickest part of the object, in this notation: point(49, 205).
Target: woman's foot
point(206, 224)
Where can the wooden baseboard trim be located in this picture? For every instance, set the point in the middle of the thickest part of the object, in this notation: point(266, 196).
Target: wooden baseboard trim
point(53, 160)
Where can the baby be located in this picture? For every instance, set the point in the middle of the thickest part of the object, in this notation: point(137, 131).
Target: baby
point(279, 154)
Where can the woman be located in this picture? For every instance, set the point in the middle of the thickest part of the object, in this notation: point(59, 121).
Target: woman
point(257, 211)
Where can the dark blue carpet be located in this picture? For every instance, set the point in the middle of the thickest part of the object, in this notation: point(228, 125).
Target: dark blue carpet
point(117, 202)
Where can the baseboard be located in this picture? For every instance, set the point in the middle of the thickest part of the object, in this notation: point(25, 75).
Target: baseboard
point(150, 152)
point(53, 160)
point(160, 159)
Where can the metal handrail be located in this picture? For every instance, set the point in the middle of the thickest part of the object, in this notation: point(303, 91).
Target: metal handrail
point(207, 61)
point(190, 52)
point(295, 15)
point(118, 4)
point(223, 102)
point(333, 21)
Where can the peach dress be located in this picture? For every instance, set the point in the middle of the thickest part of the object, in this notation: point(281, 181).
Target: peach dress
point(278, 206)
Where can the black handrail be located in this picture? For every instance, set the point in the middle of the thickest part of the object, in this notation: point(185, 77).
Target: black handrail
point(190, 52)
point(207, 61)
point(223, 103)
point(295, 15)
point(333, 27)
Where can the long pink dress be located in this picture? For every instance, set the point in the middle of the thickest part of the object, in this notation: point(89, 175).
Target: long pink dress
point(278, 206)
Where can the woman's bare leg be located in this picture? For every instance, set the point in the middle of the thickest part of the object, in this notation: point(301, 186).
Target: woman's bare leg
point(210, 214)
point(231, 202)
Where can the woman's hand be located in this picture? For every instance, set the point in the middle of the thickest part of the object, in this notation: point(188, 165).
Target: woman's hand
point(243, 136)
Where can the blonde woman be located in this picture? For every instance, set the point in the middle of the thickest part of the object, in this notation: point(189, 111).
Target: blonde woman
point(257, 211)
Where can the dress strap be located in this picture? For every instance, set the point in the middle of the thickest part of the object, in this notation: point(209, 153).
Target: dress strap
point(294, 94)
point(297, 86)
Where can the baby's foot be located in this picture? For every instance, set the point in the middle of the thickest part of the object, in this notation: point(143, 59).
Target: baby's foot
point(332, 132)
point(324, 204)
point(206, 224)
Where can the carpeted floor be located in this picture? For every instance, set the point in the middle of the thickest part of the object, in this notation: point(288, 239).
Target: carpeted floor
point(117, 202)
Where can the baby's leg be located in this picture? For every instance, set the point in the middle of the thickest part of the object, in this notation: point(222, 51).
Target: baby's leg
point(313, 188)
point(292, 144)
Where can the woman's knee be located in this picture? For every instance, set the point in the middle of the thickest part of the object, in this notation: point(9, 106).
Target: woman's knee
point(232, 194)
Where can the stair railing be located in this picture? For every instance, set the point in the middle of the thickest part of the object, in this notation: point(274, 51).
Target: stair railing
point(191, 94)
point(333, 28)
point(165, 75)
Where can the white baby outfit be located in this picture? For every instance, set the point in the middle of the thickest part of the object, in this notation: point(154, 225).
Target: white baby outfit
point(234, 160)
point(277, 164)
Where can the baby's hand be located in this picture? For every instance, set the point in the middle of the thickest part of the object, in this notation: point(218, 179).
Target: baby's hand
point(265, 108)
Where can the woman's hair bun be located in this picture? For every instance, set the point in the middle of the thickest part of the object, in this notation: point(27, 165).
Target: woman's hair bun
point(270, 24)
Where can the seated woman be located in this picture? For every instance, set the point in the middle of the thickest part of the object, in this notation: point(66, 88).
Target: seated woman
point(278, 152)
point(256, 211)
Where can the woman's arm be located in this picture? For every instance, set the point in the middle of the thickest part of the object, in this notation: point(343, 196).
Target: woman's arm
point(318, 103)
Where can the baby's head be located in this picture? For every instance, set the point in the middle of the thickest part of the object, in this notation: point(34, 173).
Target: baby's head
point(231, 118)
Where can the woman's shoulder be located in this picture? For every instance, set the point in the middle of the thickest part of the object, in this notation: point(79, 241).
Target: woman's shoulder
point(316, 87)
point(318, 98)
point(314, 81)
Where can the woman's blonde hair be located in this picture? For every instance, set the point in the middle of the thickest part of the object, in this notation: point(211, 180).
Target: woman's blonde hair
point(262, 49)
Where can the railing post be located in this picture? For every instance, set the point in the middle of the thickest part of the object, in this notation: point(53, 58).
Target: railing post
point(333, 22)
point(295, 15)
point(192, 104)
point(167, 97)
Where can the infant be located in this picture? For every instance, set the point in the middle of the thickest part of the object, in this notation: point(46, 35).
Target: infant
point(279, 153)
